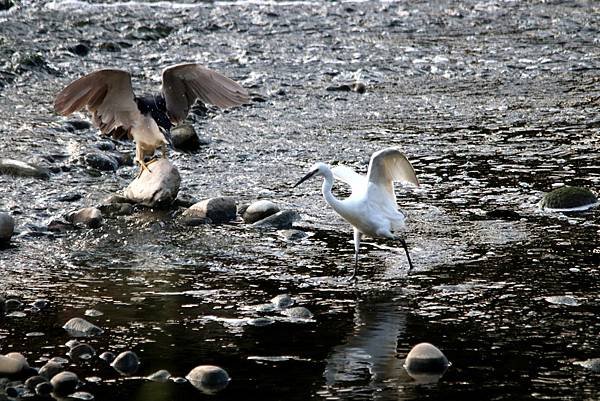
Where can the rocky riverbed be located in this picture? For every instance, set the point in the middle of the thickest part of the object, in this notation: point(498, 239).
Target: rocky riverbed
point(495, 103)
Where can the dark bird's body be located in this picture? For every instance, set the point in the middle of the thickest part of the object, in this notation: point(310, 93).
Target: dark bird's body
point(108, 95)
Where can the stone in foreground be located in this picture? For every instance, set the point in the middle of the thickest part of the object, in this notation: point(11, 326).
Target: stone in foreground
point(157, 187)
point(259, 210)
point(64, 383)
point(19, 168)
point(12, 363)
point(218, 210)
point(89, 217)
point(208, 378)
point(7, 227)
point(565, 198)
point(78, 327)
point(126, 363)
point(426, 363)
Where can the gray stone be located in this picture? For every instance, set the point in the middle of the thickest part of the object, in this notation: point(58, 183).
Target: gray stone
point(259, 210)
point(282, 301)
point(280, 220)
point(44, 388)
point(298, 312)
point(33, 381)
point(192, 221)
point(116, 209)
point(82, 351)
point(50, 369)
point(13, 304)
point(107, 356)
point(157, 187)
point(7, 227)
point(184, 137)
point(569, 198)
point(161, 376)
point(101, 161)
point(18, 168)
point(78, 327)
point(425, 363)
point(218, 210)
point(64, 383)
point(90, 217)
point(126, 362)
point(292, 234)
point(12, 363)
point(208, 378)
point(591, 364)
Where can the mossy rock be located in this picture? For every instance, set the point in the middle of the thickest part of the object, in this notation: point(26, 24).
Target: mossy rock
point(568, 198)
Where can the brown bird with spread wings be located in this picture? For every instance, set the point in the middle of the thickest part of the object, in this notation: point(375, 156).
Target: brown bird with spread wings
point(109, 96)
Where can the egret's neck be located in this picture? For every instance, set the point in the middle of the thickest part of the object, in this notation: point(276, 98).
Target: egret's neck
point(334, 202)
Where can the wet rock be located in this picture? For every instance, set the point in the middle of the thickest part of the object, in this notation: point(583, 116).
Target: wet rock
point(6, 4)
point(357, 87)
point(41, 303)
point(569, 198)
point(591, 364)
point(93, 313)
point(218, 210)
point(82, 351)
point(261, 321)
point(90, 217)
point(208, 378)
point(280, 220)
point(12, 363)
point(110, 47)
point(77, 125)
point(101, 161)
point(282, 301)
point(126, 363)
point(298, 312)
point(564, 300)
point(184, 137)
point(50, 369)
point(80, 49)
point(503, 214)
point(116, 209)
point(157, 187)
point(18, 168)
point(105, 146)
point(161, 376)
point(72, 343)
point(123, 158)
point(81, 395)
point(107, 356)
point(26, 61)
point(15, 391)
point(13, 304)
point(78, 327)
point(7, 227)
point(2, 305)
point(259, 210)
point(292, 234)
point(64, 383)
point(426, 363)
point(185, 200)
point(43, 389)
point(192, 221)
point(116, 198)
point(69, 197)
point(179, 380)
point(33, 381)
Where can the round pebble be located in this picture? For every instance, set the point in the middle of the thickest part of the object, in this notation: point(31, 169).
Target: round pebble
point(161, 376)
point(126, 363)
point(78, 327)
point(298, 312)
point(107, 356)
point(208, 378)
point(33, 381)
point(282, 301)
point(64, 383)
point(82, 351)
point(43, 388)
point(50, 369)
point(565, 198)
point(426, 363)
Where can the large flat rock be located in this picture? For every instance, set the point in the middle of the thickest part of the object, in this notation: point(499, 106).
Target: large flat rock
point(157, 187)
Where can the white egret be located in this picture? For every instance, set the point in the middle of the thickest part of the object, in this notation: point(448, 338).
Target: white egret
point(371, 209)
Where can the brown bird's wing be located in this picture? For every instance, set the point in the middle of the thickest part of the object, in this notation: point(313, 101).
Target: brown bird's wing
point(182, 84)
point(108, 95)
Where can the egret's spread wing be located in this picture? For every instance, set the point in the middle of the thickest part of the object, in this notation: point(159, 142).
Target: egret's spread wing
point(357, 182)
point(107, 94)
point(389, 165)
point(182, 84)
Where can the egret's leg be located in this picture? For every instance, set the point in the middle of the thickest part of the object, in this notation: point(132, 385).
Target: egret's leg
point(139, 158)
point(410, 265)
point(357, 237)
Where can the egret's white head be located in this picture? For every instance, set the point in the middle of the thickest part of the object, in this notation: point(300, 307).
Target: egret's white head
point(316, 170)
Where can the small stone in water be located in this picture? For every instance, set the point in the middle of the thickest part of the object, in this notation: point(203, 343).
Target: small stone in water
point(7, 227)
point(43, 388)
point(58, 359)
point(292, 234)
point(13, 304)
point(50, 369)
point(184, 137)
point(179, 380)
point(261, 321)
point(298, 312)
point(90, 217)
point(72, 343)
point(81, 395)
point(41, 303)
point(33, 381)
point(282, 301)
point(161, 376)
point(591, 364)
point(208, 379)
point(16, 314)
point(569, 198)
point(82, 351)
point(218, 210)
point(157, 187)
point(562, 300)
point(78, 327)
point(107, 356)
point(34, 334)
point(126, 363)
point(279, 220)
point(259, 210)
point(426, 363)
point(64, 383)
point(22, 169)
point(93, 313)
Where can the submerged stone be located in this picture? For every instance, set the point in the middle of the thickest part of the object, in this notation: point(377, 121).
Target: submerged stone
point(280, 220)
point(591, 364)
point(157, 187)
point(19, 168)
point(78, 327)
point(569, 198)
point(259, 210)
point(208, 378)
point(218, 210)
point(161, 376)
point(298, 312)
point(426, 363)
point(90, 217)
point(126, 363)
point(565, 300)
point(282, 301)
point(7, 227)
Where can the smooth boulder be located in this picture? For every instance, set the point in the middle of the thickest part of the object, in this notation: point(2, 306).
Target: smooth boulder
point(219, 210)
point(78, 327)
point(50, 369)
point(7, 227)
point(565, 198)
point(156, 187)
point(64, 383)
point(126, 363)
point(259, 210)
point(280, 220)
point(184, 137)
point(89, 217)
point(12, 363)
point(19, 168)
point(426, 363)
point(208, 378)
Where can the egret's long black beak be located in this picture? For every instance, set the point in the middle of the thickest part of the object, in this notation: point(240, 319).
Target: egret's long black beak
point(306, 177)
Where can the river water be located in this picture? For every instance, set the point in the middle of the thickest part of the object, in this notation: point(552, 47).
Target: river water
point(494, 102)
